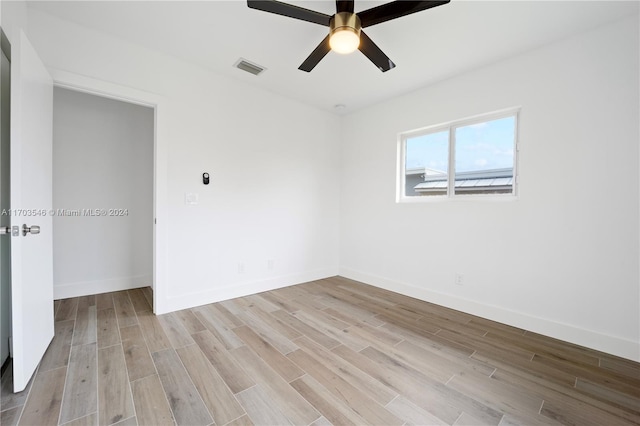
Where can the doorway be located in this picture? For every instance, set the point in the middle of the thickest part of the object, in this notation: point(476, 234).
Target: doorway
point(103, 168)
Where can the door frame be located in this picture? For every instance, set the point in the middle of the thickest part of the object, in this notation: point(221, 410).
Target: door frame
point(5, 47)
point(80, 83)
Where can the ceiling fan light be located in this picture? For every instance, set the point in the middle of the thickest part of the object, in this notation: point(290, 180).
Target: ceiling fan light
point(344, 41)
point(345, 32)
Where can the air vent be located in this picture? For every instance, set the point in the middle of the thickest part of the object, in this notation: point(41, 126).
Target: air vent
point(249, 67)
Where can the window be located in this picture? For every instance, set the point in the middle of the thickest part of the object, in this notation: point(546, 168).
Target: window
point(465, 157)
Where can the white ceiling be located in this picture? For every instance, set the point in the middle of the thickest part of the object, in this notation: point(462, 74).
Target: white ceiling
point(427, 46)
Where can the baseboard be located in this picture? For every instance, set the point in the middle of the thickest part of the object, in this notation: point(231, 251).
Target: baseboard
point(218, 294)
point(591, 339)
point(85, 288)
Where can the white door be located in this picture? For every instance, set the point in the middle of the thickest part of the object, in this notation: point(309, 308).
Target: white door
point(31, 201)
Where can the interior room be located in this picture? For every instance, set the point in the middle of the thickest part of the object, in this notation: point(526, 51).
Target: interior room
point(235, 224)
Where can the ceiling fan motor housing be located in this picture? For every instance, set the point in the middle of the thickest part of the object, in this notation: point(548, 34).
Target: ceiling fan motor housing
point(345, 21)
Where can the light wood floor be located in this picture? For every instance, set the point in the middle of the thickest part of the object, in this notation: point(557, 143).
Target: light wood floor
point(328, 352)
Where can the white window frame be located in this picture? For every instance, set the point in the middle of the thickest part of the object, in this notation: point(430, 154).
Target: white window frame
point(451, 127)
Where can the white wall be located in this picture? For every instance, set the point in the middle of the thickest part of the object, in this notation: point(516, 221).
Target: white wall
point(102, 159)
point(561, 259)
point(274, 166)
point(13, 17)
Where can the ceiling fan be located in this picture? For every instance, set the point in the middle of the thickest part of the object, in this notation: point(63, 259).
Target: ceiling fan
point(345, 26)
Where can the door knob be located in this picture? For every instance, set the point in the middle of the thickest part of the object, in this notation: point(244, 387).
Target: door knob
point(5, 230)
point(34, 229)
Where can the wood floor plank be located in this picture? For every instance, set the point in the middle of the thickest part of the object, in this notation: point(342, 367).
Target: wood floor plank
point(306, 330)
point(260, 409)
point(371, 322)
point(603, 393)
point(546, 374)
point(241, 421)
point(8, 399)
point(208, 317)
point(229, 319)
point(498, 351)
point(517, 402)
point(215, 393)
point(367, 408)
point(621, 366)
point(107, 328)
point(114, 395)
point(276, 324)
point(189, 321)
point(574, 412)
point(436, 390)
point(357, 313)
point(267, 333)
point(57, 354)
point(67, 309)
point(90, 420)
point(153, 332)
point(283, 396)
point(356, 377)
point(139, 301)
point(450, 325)
point(278, 300)
point(608, 379)
point(56, 306)
point(131, 421)
point(10, 416)
point(262, 303)
point(322, 421)
point(341, 335)
point(283, 366)
point(81, 391)
point(185, 402)
point(148, 294)
point(405, 382)
point(445, 367)
point(124, 309)
point(409, 325)
point(525, 343)
point(43, 405)
point(411, 413)
point(410, 331)
point(558, 393)
point(86, 319)
point(104, 301)
point(569, 350)
point(323, 316)
point(150, 402)
point(136, 353)
point(233, 375)
point(332, 408)
point(175, 331)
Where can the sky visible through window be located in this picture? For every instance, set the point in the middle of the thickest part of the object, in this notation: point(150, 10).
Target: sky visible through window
point(483, 146)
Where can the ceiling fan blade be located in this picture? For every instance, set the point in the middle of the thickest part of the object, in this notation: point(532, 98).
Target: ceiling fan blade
point(375, 55)
point(395, 9)
point(344, 6)
point(290, 10)
point(316, 56)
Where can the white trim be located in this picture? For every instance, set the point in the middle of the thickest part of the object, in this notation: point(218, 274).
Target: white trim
point(218, 294)
point(69, 80)
point(618, 346)
point(86, 288)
